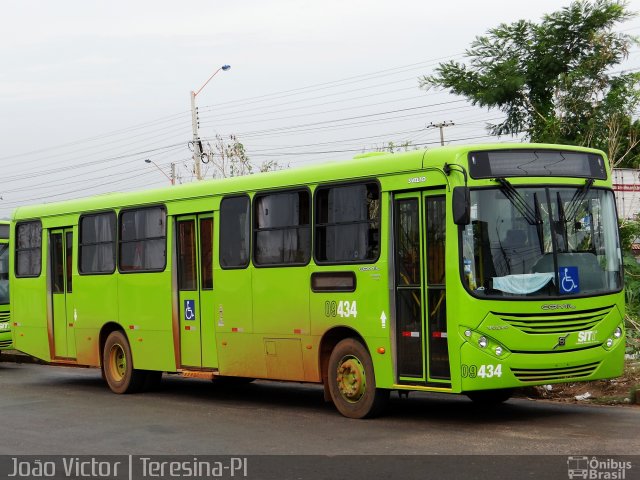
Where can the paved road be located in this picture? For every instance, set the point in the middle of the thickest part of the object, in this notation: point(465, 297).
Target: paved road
point(57, 410)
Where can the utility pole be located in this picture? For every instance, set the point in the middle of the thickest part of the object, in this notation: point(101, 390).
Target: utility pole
point(173, 173)
point(197, 144)
point(441, 126)
point(197, 152)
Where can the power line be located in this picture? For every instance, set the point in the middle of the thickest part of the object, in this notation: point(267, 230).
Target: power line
point(86, 164)
point(334, 83)
point(89, 139)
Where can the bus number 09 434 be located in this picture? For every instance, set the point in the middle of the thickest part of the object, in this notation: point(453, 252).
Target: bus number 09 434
point(482, 371)
point(343, 308)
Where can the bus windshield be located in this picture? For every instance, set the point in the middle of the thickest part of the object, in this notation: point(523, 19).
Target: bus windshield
point(541, 242)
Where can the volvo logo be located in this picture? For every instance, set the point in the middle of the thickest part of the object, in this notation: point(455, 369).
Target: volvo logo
point(558, 306)
point(562, 341)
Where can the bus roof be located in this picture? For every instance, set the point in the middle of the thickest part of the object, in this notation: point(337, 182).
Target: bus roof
point(362, 166)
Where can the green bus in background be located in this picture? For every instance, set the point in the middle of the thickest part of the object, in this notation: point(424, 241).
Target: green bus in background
point(466, 269)
point(5, 311)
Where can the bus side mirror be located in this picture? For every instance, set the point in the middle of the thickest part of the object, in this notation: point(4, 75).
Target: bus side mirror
point(461, 206)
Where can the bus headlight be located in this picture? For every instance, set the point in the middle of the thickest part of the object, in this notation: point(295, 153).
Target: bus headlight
point(483, 342)
point(614, 337)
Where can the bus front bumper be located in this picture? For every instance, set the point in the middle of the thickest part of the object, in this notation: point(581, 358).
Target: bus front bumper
point(5, 339)
point(483, 370)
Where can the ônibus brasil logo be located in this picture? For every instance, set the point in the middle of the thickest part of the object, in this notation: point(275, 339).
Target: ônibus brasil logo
point(597, 468)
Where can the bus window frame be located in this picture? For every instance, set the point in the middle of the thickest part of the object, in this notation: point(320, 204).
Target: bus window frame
point(120, 242)
point(314, 239)
point(80, 245)
point(255, 230)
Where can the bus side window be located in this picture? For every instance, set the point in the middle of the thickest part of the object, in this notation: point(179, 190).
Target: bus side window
point(347, 223)
point(282, 229)
point(28, 249)
point(143, 236)
point(97, 243)
point(234, 232)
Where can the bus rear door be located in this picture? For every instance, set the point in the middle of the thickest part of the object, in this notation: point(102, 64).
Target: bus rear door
point(63, 314)
point(195, 291)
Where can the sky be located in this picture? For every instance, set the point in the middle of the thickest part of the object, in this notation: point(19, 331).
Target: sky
point(90, 89)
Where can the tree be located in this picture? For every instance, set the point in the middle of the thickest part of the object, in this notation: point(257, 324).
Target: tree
point(393, 147)
point(228, 158)
point(556, 81)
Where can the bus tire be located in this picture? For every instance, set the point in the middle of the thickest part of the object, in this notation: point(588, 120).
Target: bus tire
point(352, 382)
point(117, 364)
point(490, 397)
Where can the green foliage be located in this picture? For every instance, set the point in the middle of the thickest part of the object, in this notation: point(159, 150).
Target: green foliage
point(555, 80)
point(629, 233)
point(630, 230)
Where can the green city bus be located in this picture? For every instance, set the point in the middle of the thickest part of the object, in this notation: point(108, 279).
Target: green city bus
point(463, 269)
point(5, 311)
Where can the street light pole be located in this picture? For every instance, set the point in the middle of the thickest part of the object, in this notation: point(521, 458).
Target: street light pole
point(441, 126)
point(171, 178)
point(197, 144)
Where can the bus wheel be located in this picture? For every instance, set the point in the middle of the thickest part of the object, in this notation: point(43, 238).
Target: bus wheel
point(490, 397)
point(117, 364)
point(352, 383)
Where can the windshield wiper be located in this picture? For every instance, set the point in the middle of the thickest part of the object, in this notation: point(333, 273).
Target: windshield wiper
point(531, 216)
point(577, 199)
point(539, 229)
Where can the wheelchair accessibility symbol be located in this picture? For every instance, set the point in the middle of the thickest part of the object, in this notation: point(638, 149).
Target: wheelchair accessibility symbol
point(569, 280)
point(189, 309)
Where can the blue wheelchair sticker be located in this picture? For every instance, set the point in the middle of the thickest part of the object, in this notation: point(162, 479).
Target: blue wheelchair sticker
point(569, 280)
point(189, 309)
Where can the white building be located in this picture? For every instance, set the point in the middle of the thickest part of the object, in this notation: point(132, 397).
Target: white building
point(626, 184)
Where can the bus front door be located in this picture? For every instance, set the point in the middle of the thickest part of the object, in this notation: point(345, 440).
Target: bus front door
point(61, 282)
point(421, 324)
point(195, 291)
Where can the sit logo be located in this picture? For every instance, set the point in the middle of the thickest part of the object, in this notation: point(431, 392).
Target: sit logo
point(588, 336)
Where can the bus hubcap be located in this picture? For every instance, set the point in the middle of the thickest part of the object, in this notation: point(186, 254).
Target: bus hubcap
point(351, 379)
point(118, 361)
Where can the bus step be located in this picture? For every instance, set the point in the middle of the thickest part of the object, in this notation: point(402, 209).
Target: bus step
point(197, 374)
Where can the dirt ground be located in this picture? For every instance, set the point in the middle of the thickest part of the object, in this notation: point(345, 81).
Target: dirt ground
point(624, 390)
